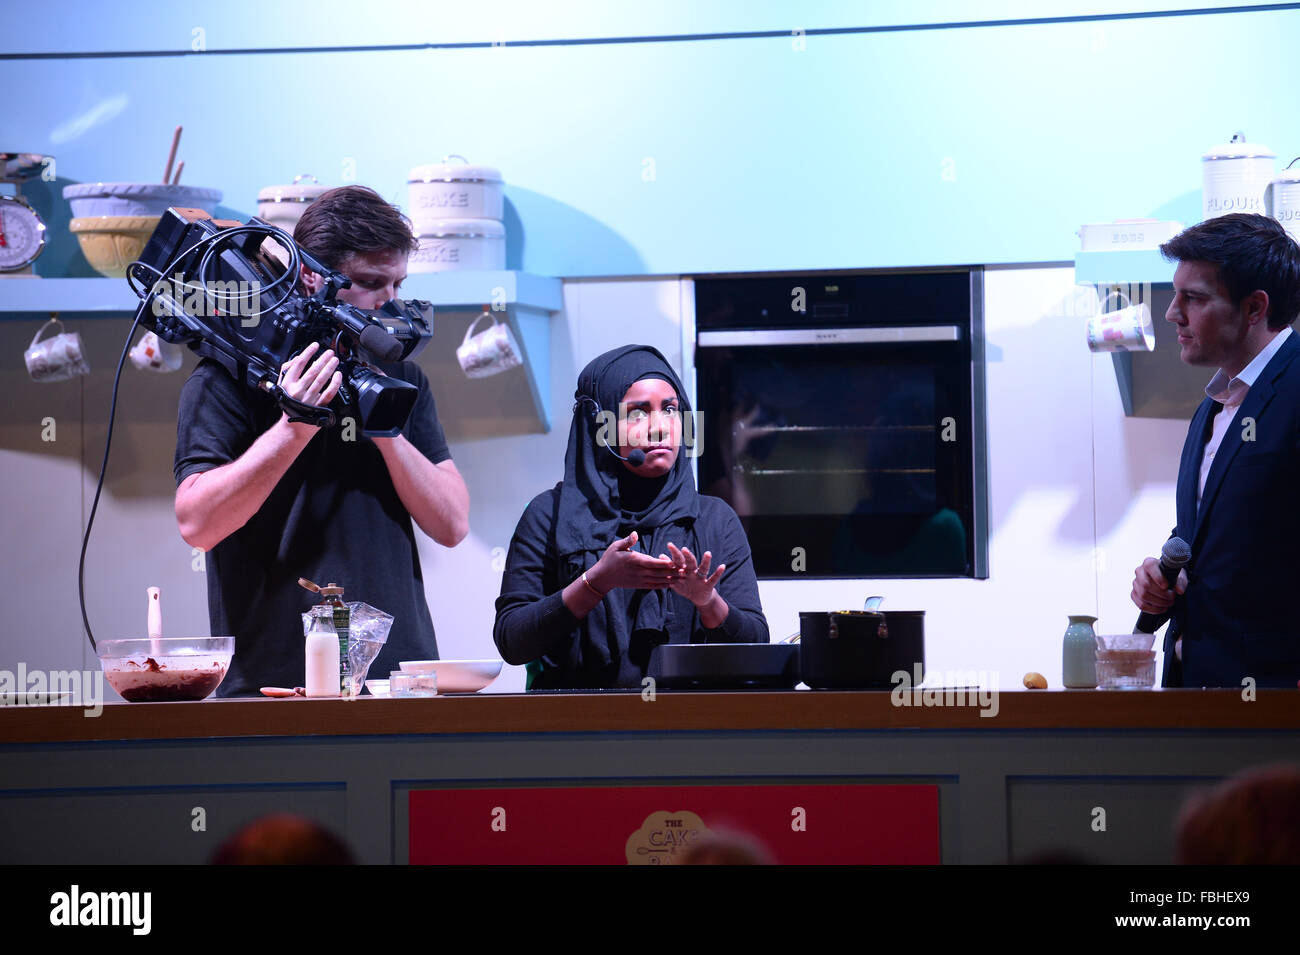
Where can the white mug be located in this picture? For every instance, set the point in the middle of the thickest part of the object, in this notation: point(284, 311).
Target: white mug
point(490, 351)
point(55, 359)
point(153, 354)
point(1127, 329)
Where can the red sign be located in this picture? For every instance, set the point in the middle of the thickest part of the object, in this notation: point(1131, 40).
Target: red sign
point(658, 825)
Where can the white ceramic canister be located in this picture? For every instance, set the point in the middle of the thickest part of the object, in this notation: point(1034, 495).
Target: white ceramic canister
point(283, 205)
point(1234, 176)
point(455, 190)
point(1126, 234)
point(1284, 199)
point(448, 245)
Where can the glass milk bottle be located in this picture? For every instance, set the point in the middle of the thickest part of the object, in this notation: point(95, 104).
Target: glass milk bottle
point(322, 652)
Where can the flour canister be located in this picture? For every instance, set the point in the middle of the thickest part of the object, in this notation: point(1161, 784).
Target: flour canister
point(447, 245)
point(1284, 199)
point(1234, 176)
point(455, 190)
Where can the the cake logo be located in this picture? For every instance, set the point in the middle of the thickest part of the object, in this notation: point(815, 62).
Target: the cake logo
point(664, 838)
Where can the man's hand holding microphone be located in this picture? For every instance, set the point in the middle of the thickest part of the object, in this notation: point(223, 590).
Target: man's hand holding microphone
point(1158, 582)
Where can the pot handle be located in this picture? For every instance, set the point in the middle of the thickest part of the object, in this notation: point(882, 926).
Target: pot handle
point(872, 605)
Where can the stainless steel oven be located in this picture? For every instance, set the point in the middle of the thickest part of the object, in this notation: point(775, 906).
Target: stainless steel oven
point(842, 416)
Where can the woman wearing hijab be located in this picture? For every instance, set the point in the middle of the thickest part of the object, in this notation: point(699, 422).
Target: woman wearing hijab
point(623, 555)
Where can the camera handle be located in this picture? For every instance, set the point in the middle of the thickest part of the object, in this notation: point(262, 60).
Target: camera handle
point(318, 415)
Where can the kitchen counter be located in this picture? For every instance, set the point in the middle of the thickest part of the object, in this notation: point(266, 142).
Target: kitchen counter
point(1029, 779)
point(628, 712)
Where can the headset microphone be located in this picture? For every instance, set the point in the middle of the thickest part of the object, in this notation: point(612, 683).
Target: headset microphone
point(636, 458)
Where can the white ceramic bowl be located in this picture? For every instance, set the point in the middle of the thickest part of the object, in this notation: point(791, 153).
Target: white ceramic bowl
point(136, 198)
point(377, 687)
point(457, 676)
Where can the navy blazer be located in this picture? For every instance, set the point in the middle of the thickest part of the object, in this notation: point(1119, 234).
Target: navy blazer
point(1238, 617)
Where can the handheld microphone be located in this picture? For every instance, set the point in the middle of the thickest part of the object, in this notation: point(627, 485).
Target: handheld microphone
point(636, 458)
point(1174, 556)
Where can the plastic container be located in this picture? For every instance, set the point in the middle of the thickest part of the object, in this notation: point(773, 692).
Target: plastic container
point(1125, 661)
point(402, 683)
point(1126, 669)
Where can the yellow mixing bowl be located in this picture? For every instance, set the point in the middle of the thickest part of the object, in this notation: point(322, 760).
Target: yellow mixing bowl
point(111, 243)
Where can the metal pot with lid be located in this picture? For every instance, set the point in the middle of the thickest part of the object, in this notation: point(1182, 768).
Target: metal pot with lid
point(860, 649)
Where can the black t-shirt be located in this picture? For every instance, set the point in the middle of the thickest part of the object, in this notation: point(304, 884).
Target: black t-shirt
point(333, 517)
point(533, 623)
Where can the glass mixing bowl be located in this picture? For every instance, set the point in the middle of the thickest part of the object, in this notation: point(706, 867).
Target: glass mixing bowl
point(166, 669)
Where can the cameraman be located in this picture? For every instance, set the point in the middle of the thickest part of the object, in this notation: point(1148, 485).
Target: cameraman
point(272, 501)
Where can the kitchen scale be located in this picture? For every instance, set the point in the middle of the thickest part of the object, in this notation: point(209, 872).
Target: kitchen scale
point(22, 231)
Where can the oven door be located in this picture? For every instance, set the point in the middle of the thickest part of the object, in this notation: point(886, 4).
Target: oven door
point(846, 452)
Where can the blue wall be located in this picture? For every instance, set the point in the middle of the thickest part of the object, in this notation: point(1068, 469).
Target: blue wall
point(968, 144)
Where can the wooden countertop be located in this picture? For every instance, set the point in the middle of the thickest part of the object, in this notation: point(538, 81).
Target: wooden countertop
point(605, 712)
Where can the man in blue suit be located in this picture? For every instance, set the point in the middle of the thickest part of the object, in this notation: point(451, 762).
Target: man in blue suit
point(1235, 613)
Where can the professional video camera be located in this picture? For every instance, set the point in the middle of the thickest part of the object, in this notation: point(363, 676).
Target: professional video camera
point(206, 283)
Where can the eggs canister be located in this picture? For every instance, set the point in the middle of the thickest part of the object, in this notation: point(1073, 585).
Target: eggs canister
point(1234, 176)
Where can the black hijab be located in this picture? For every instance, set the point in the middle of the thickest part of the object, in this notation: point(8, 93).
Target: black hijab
point(601, 500)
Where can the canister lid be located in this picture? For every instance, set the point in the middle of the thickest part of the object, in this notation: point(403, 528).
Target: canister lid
point(331, 590)
point(1238, 148)
point(300, 190)
point(448, 171)
point(459, 229)
point(1290, 174)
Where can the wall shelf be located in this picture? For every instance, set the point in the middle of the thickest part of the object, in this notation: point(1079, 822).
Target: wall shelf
point(37, 297)
point(526, 302)
point(486, 406)
point(1153, 384)
point(28, 298)
point(1137, 267)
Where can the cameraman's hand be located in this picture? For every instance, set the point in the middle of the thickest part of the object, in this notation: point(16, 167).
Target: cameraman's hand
point(620, 566)
point(314, 384)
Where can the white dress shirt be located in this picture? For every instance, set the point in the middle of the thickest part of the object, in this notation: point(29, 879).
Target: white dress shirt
point(1231, 392)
